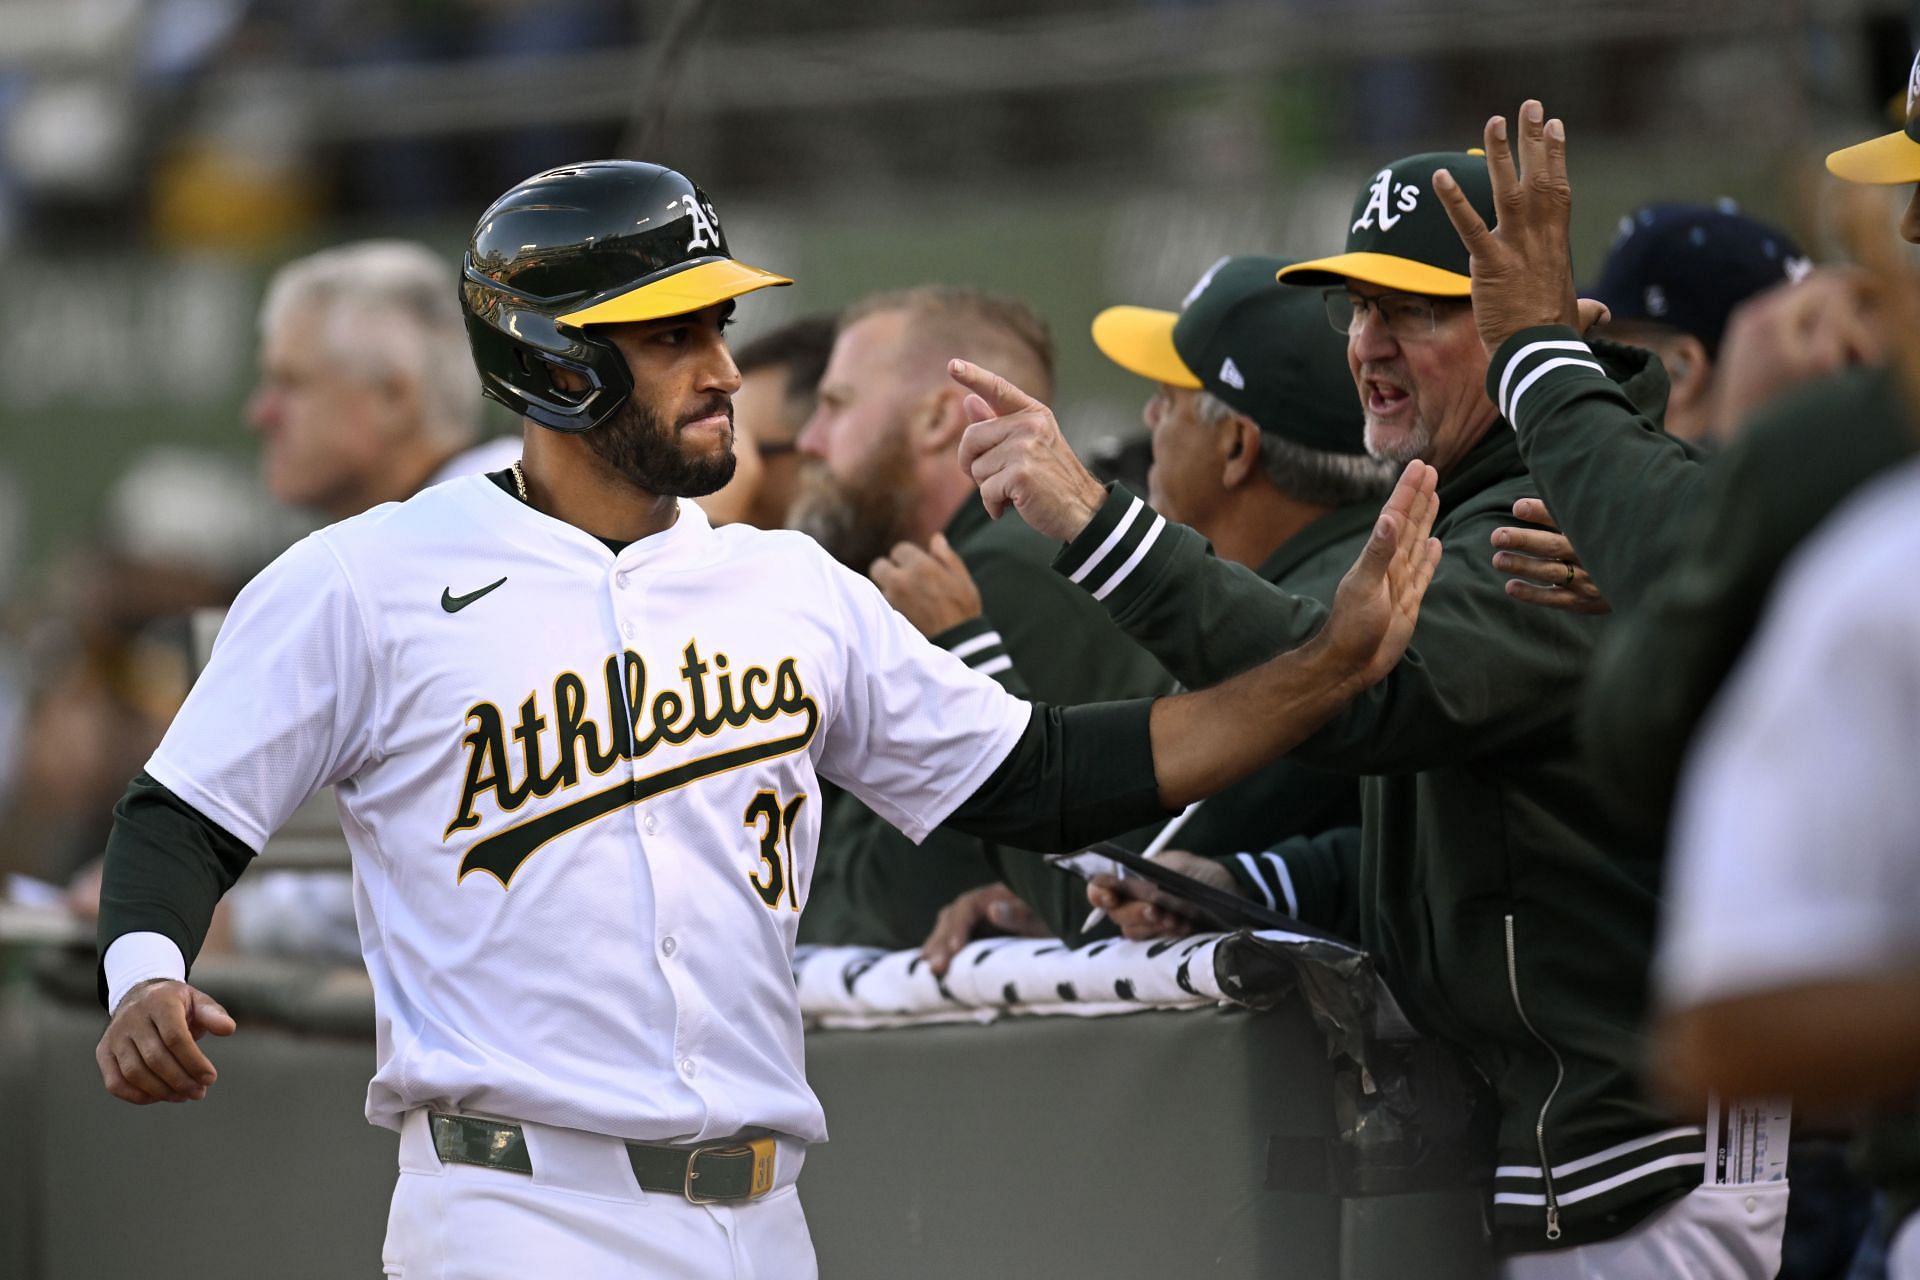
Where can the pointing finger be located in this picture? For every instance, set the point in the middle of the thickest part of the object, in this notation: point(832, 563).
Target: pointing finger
point(995, 391)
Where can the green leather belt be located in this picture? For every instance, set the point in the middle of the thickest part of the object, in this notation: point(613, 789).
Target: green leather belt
point(709, 1174)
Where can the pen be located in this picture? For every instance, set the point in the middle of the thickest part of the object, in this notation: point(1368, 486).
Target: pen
point(1161, 839)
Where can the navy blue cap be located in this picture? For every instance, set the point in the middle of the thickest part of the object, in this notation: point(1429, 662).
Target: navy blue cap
point(1687, 266)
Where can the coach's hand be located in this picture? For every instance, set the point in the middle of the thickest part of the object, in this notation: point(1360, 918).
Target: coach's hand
point(1017, 457)
point(932, 589)
point(1211, 738)
point(1523, 268)
point(1547, 570)
point(992, 910)
point(148, 1053)
point(1378, 601)
point(1791, 334)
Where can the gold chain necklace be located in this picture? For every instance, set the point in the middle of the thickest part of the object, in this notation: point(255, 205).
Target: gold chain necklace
point(520, 482)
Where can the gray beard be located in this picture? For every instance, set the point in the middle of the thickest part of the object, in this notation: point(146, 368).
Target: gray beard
point(863, 518)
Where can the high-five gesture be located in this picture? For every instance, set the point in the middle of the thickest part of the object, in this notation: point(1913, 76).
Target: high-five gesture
point(1017, 457)
point(1209, 739)
point(1522, 268)
point(1378, 601)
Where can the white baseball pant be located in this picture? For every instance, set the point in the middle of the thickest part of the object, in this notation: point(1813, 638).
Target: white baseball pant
point(581, 1215)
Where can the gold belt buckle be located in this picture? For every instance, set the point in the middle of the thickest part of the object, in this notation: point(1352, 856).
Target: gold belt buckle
point(762, 1150)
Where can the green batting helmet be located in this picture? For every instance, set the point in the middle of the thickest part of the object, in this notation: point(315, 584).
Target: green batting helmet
point(610, 242)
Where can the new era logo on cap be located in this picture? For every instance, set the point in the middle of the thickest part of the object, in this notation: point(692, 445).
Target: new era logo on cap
point(1230, 374)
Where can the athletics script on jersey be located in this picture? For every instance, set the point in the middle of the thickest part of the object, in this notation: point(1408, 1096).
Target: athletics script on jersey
point(558, 743)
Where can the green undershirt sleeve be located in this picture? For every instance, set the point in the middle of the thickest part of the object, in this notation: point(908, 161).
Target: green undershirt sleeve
point(1078, 774)
point(167, 865)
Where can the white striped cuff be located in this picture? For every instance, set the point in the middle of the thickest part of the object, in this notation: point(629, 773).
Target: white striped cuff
point(1538, 359)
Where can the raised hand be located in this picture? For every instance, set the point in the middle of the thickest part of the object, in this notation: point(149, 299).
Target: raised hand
point(1522, 267)
point(1211, 738)
point(148, 1053)
point(1378, 602)
point(1018, 458)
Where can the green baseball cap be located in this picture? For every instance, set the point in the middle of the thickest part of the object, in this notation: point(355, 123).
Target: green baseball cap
point(1400, 237)
point(1265, 351)
point(1891, 157)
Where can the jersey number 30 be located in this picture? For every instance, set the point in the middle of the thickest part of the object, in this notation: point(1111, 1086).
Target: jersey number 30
point(774, 877)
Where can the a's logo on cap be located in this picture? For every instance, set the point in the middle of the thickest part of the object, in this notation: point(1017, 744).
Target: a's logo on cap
point(1656, 300)
point(1913, 86)
point(706, 223)
point(1230, 374)
point(1201, 287)
point(1387, 202)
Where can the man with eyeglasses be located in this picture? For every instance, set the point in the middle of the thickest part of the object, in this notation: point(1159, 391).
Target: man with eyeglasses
point(1507, 911)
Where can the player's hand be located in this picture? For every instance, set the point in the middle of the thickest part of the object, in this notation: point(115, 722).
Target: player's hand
point(992, 909)
point(932, 589)
point(1791, 334)
point(1018, 458)
point(1522, 268)
point(1547, 571)
point(148, 1053)
point(1378, 602)
point(1142, 911)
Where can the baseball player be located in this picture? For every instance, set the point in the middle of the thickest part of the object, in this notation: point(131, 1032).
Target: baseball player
point(576, 731)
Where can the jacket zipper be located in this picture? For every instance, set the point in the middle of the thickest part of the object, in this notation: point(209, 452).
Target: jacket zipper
point(1559, 1077)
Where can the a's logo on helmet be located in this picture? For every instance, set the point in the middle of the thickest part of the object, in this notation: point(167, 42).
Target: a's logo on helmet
point(1383, 200)
point(706, 223)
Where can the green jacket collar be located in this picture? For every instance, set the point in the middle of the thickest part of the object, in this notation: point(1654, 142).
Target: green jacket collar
point(969, 520)
point(1335, 526)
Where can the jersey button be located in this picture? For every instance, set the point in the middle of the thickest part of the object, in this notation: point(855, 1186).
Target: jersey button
point(651, 823)
point(628, 630)
point(668, 946)
point(622, 578)
point(689, 1067)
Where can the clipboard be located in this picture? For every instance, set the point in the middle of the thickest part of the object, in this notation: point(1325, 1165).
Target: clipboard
point(1212, 907)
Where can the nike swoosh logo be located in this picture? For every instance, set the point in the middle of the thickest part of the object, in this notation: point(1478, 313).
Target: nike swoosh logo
point(454, 604)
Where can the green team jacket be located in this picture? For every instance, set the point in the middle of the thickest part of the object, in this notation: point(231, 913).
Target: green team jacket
point(1312, 815)
point(1687, 554)
point(1041, 638)
point(1508, 912)
point(1695, 582)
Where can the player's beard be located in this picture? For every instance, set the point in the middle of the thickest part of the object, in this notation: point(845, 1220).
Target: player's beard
point(641, 449)
point(863, 517)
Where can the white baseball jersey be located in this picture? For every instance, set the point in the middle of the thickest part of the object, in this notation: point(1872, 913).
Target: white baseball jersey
point(572, 916)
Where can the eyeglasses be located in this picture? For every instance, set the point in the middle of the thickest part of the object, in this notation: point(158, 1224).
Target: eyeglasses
point(1409, 317)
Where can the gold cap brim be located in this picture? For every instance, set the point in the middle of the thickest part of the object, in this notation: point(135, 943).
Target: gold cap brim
point(1140, 340)
point(1383, 269)
point(694, 289)
point(1883, 161)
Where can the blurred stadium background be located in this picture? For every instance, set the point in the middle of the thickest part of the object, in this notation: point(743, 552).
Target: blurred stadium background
point(159, 157)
